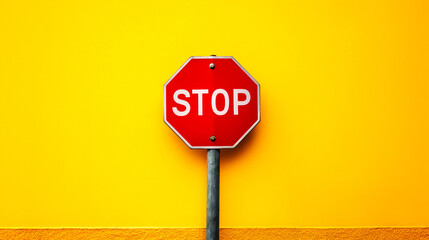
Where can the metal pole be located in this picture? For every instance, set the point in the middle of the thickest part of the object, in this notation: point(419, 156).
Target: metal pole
point(213, 164)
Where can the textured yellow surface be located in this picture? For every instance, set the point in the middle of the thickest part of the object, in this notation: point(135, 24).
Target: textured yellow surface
point(343, 141)
point(226, 233)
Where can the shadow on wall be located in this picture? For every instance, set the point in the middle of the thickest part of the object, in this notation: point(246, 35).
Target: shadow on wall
point(226, 155)
point(244, 146)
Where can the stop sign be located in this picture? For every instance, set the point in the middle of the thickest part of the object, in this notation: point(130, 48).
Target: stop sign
point(211, 102)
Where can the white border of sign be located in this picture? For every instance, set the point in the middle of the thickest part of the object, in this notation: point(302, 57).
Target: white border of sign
point(212, 147)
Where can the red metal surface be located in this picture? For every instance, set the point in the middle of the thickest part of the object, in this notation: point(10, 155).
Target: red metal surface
point(195, 129)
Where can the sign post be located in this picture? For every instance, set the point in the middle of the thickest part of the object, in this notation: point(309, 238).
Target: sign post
point(212, 103)
point(213, 173)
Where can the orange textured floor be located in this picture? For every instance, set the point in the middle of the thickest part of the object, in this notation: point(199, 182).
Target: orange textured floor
point(227, 233)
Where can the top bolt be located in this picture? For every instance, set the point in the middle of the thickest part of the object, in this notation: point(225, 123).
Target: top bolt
point(212, 66)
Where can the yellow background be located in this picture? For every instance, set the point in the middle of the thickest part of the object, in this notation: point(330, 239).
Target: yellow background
point(343, 141)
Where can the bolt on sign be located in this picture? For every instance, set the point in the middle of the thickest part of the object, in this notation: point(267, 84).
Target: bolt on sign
point(211, 102)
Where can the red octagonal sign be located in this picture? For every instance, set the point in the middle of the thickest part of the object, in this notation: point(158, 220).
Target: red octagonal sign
point(211, 102)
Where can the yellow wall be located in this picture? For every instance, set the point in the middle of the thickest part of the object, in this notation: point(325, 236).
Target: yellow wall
point(343, 141)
